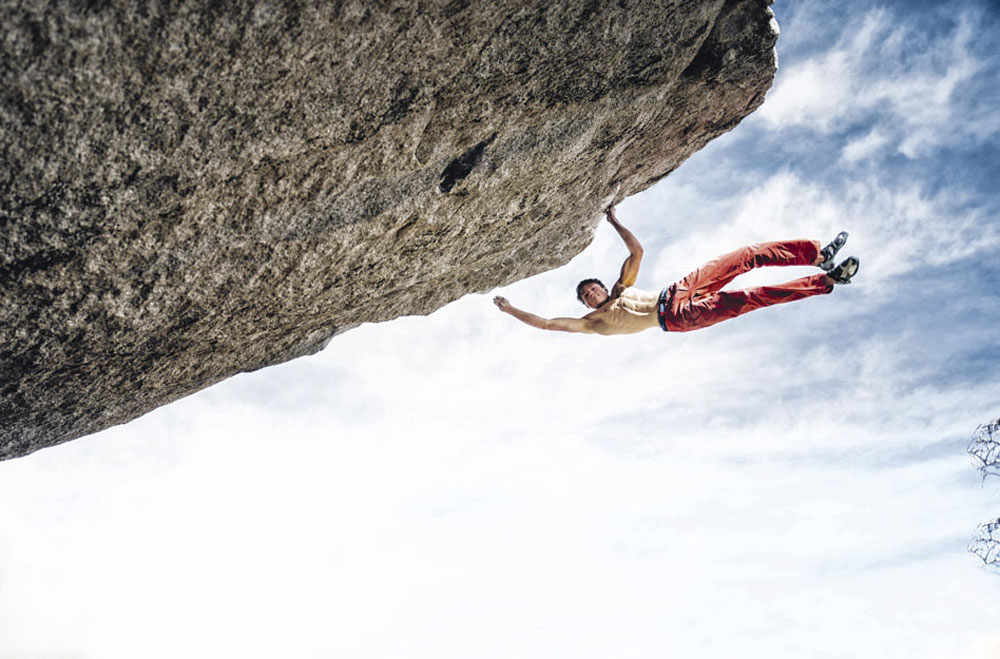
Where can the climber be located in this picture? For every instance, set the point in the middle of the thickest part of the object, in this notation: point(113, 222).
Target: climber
point(696, 301)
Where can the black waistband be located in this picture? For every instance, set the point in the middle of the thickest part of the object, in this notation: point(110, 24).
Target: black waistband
point(663, 304)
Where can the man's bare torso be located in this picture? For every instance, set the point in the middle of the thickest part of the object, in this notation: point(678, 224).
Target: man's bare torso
point(634, 310)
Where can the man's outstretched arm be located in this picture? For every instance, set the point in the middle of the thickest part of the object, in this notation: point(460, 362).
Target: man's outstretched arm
point(630, 268)
point(557, 324)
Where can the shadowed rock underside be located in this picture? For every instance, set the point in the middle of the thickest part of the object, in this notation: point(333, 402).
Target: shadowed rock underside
point(188, 192)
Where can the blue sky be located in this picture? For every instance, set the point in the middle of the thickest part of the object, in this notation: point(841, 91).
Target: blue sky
point(792, 483)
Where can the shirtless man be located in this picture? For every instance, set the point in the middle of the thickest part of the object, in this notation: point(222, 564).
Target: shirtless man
point(697, 300)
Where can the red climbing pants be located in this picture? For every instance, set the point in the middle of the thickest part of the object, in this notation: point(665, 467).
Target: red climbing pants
point(697, 300)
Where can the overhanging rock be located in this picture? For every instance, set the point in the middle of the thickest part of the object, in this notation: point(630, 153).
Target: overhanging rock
point(194, 191)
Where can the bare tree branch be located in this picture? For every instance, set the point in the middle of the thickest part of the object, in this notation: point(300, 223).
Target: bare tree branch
point(985, 543)
point(984, 447)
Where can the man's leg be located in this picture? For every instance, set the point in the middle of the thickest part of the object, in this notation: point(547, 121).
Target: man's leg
point(718, 272)
point(691, 313)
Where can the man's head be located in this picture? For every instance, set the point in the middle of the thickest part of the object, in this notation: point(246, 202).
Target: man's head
point(592, 293)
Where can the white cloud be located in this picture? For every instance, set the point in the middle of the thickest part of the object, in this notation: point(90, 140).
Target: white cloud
point(885, 64)
point(865, 146)
point(986, 648)
point(822, 89)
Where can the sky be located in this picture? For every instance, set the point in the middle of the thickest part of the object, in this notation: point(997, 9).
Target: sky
point(790, 483)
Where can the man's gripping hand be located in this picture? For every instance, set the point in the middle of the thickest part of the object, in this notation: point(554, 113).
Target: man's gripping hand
point(502, 304)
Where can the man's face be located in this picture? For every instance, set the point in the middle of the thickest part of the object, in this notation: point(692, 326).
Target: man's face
point(593, 295)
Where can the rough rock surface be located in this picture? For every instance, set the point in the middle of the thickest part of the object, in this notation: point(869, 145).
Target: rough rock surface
point(190, 191)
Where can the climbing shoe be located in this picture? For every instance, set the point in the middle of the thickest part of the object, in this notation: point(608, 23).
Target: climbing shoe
point(842, 273)
point(831, 250)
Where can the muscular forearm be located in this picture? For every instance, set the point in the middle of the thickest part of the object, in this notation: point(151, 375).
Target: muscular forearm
point(527, 318)
point(630, 240)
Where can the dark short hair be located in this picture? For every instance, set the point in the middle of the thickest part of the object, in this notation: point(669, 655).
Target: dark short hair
point(579, 288)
